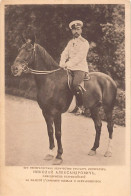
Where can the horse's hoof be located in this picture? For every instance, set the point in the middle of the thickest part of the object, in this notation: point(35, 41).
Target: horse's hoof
point(92, 153)
point(57, 161)
point(48, 157)
point(108, 154)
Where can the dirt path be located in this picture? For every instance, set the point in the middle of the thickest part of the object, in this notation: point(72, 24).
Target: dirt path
point(27, 140)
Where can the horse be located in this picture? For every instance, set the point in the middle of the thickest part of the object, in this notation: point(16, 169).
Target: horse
point(54, 95)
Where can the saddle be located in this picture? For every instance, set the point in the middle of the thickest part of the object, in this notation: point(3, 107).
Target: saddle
point(81, 85)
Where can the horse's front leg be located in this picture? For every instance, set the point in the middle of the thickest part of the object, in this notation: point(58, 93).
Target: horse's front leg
point(49, 121)
point(57, 122)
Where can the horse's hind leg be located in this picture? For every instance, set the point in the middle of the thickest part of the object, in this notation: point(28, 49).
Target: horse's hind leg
point(57, 122)
point(108, 112)
point(98, 124)
point(49, 121)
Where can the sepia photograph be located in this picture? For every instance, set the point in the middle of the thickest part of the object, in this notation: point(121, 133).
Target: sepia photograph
point(65, 98)
point(65, 84)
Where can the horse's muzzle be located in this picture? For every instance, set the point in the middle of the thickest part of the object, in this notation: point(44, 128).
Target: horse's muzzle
point(14, 70)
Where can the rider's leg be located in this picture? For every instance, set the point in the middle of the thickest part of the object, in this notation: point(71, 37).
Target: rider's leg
point(78, 77)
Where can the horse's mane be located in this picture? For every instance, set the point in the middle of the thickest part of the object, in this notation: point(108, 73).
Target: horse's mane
point(47, 59)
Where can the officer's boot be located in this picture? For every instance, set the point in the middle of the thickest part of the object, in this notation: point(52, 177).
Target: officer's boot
point(79, 98)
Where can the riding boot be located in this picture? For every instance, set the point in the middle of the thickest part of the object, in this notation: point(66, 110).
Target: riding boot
point(79, 100)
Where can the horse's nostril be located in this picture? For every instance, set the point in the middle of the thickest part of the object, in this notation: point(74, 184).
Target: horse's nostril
point(14, 69)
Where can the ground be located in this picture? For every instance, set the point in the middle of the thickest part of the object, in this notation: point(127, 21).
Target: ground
point(26, 139)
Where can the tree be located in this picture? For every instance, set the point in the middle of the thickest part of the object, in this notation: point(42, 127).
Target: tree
point(103, 28)
point(111, 49)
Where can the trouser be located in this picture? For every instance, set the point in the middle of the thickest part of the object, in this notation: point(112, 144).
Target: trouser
point(78, 77)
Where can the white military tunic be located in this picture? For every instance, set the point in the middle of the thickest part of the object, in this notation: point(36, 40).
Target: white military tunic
point(75, 54)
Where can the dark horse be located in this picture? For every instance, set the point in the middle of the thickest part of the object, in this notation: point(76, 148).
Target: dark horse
point(54, 96)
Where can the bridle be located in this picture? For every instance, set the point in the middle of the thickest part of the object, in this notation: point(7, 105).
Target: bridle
point(26, 69)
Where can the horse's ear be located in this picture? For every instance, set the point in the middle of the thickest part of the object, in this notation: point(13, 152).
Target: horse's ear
point(29, 42)
point(30, 37)
point(32, 42)
point(23, 38)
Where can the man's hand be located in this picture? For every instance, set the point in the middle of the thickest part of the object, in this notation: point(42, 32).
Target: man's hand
point(64, 66)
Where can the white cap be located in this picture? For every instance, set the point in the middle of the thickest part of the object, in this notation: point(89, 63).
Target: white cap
point(76, 24)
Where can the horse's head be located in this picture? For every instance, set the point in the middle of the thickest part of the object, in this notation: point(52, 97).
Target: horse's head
point(24, 58)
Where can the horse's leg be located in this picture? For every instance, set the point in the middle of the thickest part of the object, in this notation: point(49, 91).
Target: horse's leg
point(108, 112)
point(98, 124)
point(57, 122)
point(49, 121)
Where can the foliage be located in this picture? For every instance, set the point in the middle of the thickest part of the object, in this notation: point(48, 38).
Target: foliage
point(109, 51)
point(120, 99)
point(103, 28)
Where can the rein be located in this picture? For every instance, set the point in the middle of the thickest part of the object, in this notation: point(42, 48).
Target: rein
point(33, 71)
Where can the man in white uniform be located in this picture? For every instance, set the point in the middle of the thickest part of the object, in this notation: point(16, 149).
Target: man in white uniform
point(74, 58)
